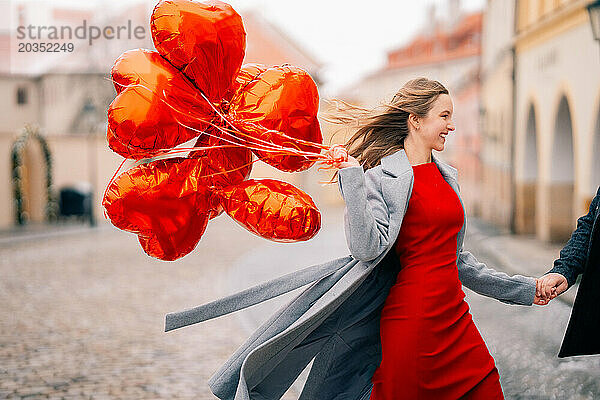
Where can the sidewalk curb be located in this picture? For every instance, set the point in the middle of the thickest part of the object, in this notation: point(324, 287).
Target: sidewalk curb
point(11, 237)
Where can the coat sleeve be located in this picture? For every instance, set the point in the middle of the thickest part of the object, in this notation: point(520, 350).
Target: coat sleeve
point(475, 275)
point(366, 215)
point(574, 255)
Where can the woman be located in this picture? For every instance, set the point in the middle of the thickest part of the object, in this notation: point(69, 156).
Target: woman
point(430, 345)
point(335, 322)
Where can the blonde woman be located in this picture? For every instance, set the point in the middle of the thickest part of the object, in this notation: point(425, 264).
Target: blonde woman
point(431, 348)
point(388, 321)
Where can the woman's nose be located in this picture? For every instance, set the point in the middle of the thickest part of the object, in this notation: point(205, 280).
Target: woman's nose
point(451, 126)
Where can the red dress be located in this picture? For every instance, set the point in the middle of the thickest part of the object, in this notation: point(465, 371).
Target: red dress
point(431, 348)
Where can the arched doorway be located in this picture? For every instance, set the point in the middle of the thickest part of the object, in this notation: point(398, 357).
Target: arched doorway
point(561, 176)
point(527, 188)
point(32, 186)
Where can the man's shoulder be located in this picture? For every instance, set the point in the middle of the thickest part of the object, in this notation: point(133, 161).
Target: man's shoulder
point(595, 205)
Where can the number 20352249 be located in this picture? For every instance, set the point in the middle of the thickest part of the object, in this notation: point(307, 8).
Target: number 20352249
point(35, 47)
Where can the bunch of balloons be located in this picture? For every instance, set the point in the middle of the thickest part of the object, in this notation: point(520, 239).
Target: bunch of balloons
point(195, 87)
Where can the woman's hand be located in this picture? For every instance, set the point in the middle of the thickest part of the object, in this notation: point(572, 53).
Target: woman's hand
point(338, 157)
point(551, 285)
point(539, 299)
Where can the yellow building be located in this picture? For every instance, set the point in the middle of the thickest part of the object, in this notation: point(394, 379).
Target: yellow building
point(557, 116)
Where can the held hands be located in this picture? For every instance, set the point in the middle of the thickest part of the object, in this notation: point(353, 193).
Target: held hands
point(538, 298)
point(337, 157)
point(548, 287)
point(551, 285)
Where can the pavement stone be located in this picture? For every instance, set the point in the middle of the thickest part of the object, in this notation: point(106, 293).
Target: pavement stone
point(83, 314)
point(83, 309)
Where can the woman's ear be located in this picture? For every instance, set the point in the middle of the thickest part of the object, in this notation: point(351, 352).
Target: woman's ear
point(414, 121)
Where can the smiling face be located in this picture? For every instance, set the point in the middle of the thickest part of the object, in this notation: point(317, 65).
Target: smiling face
point(433, 129)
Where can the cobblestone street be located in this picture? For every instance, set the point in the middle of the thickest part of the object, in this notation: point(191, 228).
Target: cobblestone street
point(82, 317)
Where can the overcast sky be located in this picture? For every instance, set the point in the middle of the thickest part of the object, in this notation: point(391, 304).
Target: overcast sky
point(349, 37)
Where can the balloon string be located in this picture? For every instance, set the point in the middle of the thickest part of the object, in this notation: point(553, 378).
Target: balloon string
point(230, 170)
point(181, 150)
point(303, 141)
point(189, 149)
point(252, 147)
point(267, 146)
point(199, 148)
point(267, 131)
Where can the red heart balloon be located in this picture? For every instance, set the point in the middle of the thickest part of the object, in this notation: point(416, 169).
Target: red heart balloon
point(278, 105)
point(205, 40)
point(164, 203)
point(154, 106)
point(272, 209)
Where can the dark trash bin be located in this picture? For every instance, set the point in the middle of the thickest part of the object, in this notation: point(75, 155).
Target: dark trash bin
point(75, 201)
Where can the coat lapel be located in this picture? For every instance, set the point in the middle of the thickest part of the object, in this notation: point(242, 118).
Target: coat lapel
point(396, 187)
point(396, 164)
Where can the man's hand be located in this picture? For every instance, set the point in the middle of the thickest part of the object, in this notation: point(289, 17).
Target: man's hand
point(551, 285)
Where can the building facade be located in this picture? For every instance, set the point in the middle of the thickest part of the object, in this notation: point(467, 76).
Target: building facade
point(557, 116)
point(497, 99)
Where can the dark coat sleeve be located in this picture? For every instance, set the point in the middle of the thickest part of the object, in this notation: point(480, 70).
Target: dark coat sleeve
point(575, 253)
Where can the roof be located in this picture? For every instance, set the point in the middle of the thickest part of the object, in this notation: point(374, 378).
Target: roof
point(461, 42)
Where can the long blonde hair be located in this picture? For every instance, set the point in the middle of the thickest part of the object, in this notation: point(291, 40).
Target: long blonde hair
point(384, 133)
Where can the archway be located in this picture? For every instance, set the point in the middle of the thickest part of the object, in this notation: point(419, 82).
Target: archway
point(19, 173)
point(561, 185)
point(527, 188)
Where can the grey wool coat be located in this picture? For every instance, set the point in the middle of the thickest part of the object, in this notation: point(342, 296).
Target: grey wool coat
point(335, 320)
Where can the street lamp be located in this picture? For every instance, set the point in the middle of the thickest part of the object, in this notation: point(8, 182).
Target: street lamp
point(594, 12)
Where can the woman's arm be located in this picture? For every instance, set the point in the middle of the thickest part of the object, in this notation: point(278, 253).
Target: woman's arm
point(366, 216)
point(475, 275)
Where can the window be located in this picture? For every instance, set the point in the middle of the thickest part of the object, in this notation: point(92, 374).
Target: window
point(21, 95)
